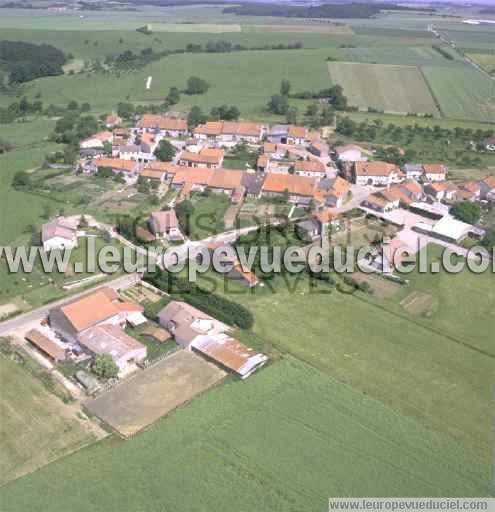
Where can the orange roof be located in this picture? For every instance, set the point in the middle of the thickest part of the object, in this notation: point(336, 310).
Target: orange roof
point(434, 169)
point(263, 161)
point(309, 166)
point(375, 168)
point(471, 186)
point(113, 119)
point(116, 163)
point(397, 193)
point(412, 186)
point(438, 187)
point(89, 310)
point(229, 128)
point(206, 155)
point(148, 138)
point(167, 167)
point(103, 136)
point(163, 123)
point(45, 344)
point(325, 216)
point(297, 131)
point(193, 175)
point(153, 174)
point(340, 186)
point(489, 181)
point(269, 147)
point(227, 179)
point(300, 185)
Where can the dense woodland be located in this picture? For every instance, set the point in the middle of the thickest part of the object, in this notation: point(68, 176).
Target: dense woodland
point(26, 61)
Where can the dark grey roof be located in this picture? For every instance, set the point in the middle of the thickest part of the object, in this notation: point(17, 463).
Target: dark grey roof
point(253, 183)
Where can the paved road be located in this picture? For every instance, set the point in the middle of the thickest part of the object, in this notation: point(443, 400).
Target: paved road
point(38, 314)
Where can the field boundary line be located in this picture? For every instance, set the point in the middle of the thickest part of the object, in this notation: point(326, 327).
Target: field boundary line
point(428, 328)
point(430, 88)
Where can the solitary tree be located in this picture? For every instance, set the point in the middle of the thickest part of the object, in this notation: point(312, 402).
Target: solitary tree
point(173, 96)
point(165, 151)
point(196, 85)
point(285, 87)
point(104, 366)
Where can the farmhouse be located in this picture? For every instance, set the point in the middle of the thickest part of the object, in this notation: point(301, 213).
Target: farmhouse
point(310, 168)
point(101, 307)
point(225, 180)
point(161, 171)
point(376, 173)
point(434, 172)
point(230, 132)
point(165, 126)
point(413, 190)
point(298, 188)
point(109, 339)
point(272, 150)
point(186, 322)
point(60, 233)
point(212, 158)
point(196, 179)
point(230, 354)
point(164, 225)
point(253, 184)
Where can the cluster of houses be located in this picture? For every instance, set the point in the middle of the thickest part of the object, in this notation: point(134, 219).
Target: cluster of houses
point(95, 324)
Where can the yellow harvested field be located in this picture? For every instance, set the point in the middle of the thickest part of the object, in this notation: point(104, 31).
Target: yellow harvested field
point(195, 27)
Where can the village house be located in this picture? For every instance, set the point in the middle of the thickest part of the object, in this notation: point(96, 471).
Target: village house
point(332, 192)
point(413, 171)
point(60, 233)
point(275, 151)
point(376, 173)
point(352, 153)
point(100, 307)
point(165, 225)
point(190, 180)
point(225, 181)
point(186, 322)
point(441, 191)
point(312, 229)
point(160, 171)
point(487, 188)
point(212, 158)
point(253, 184)
point(434, 172)
point(230, 133)
point(112, 120)
point(160, 125)
point(319, 149)
point(97, 141)
point(310, 168)
point(469, 191)
point(300, 189)
point(288, 134)
point(128, 169)
point(383, 201)
point(263, 163)
point(413, 190)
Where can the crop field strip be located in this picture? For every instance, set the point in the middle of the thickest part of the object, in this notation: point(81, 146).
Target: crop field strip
point(392, 88)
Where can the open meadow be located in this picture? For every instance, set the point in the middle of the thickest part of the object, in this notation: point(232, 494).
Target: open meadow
point(286, 439)
point(36, 427)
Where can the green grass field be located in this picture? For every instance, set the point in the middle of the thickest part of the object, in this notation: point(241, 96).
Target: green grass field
point(207, 218)
point(230, 76)
point(416, 366)
point(485, 60)
point(462, 93)
point(386, 87)
point(286, 439)
point(36, 428)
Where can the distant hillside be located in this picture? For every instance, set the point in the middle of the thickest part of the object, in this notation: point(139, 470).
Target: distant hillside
point(350, 10)
point(25, 61)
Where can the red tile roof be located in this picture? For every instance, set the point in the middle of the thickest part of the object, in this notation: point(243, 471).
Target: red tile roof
point(375, 168)
point(300, 185)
